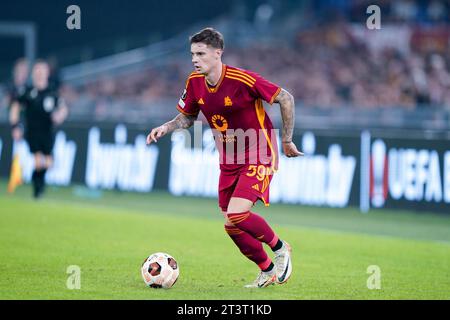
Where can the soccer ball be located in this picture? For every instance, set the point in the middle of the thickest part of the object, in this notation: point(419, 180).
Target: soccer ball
point(160, 270)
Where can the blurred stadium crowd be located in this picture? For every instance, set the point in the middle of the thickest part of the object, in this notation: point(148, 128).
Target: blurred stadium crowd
point(326, 67)
point(328, 63)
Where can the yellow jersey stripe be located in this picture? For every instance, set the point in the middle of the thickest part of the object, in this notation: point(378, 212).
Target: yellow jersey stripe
point(275, 95)
point(261, 114)
point(240, 76)
point(265, 184)
point(243, 74)
point(265, 202)
point(240, 79)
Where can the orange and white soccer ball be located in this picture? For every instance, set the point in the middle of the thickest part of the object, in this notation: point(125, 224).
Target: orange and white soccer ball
point(160, 270)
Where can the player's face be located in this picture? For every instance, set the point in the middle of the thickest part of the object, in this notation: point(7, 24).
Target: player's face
point(204, 57)
point(41, 72)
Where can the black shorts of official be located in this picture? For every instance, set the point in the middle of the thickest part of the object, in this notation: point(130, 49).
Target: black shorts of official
point(40, 142)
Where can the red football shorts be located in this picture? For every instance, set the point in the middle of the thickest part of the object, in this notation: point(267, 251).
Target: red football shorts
point(245, 181)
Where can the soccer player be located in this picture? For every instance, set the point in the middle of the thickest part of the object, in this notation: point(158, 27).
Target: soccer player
point(42, 109)
point(231, 100)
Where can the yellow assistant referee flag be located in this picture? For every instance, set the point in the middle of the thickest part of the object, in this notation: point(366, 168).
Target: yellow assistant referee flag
point(15, 178)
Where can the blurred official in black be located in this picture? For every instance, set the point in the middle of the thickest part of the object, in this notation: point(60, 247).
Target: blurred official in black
point(42, 109)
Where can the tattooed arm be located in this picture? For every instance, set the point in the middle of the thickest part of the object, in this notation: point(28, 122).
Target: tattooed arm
point(287, 107)
point(181, 121)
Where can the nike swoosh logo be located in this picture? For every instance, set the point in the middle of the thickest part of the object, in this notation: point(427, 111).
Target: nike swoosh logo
point(280, 279)
point(261, 286)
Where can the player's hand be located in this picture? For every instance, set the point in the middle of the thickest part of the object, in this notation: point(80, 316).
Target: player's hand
point(157, 133)
point(17, 134)
point(290, 150)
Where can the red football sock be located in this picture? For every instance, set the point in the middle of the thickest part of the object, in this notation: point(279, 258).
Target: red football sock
point(255, 225)
point(249, 246)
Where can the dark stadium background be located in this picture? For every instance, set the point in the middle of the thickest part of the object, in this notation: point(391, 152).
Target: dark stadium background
point(138, 21)
point(396, 98)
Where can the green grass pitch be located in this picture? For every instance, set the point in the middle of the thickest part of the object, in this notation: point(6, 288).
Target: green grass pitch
point(109, 237)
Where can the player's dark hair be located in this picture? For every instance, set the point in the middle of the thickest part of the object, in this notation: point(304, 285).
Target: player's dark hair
point(208, 36)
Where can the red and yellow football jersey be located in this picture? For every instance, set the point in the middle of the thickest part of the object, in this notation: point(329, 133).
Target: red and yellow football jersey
point(235, 103)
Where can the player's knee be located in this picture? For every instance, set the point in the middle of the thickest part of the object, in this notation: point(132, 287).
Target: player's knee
point(239, 205)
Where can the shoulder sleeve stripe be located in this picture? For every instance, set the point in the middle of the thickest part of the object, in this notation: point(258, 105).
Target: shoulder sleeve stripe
point(243, 74)
point(240, 79)
point(275, 95)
